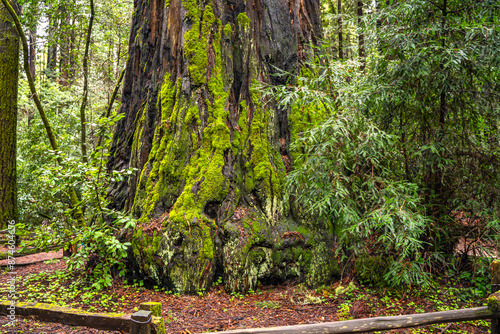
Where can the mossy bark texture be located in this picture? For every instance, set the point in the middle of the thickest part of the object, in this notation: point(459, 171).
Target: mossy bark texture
point(9, 71)
point(211, 152)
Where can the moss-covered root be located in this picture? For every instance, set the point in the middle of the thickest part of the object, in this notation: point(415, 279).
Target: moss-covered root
point(254, 251)
point(179, 257)
point(324, 267)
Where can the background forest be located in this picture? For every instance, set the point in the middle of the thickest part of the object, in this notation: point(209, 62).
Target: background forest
point(398, 152)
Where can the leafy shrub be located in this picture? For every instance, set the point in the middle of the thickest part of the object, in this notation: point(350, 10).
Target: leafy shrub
point(371, 269)
point(349, 171)
point(97, 244)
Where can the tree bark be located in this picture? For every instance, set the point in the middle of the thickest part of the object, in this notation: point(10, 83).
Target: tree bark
point(339, 12)
point(361, 37)
point(83, 137)
point(9, 73)
point(32, 59)
point(210, 150)
point(51, 48)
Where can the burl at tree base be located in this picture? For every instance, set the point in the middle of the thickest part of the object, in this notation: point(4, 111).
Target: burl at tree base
point(210, 150)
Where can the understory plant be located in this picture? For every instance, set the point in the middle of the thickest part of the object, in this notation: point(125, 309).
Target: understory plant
point(96, 246)
point(398, 149)
point(348, 172)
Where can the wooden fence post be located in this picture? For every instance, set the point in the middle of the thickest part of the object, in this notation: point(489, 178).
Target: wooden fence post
point(157, 322)
point(141, 322)
point(495, 286)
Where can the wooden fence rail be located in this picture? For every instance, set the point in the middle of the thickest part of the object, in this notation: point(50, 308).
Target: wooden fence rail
point(147, 320)
point(377, 323)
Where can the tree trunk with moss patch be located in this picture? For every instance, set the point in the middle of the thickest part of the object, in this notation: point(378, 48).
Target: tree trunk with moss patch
point(211, 153)
point(9, 71)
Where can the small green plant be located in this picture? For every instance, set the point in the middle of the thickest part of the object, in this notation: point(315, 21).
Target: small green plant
point(236, 295)
point(218, 281)
point(269, 304)
point(170, 317)
point(310, 299)
point(344, 312)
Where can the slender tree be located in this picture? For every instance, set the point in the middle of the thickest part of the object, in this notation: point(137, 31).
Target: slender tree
point(339, 13)
point(86, 84)
point(9, 72)
point(361, 36)
point(51, 47)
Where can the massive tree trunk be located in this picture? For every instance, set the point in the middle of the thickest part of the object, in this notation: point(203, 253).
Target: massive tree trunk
point(211, 152)
point(9, 71)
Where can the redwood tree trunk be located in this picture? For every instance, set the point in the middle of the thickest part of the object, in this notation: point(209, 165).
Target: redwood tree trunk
point(32, 58)
point(51, 48)
point(9, 71)
point(361, 37)
point(64, 47)
point(211, 152)
point(341, 47)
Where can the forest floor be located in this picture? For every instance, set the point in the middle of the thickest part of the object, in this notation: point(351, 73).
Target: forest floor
point(215, 310)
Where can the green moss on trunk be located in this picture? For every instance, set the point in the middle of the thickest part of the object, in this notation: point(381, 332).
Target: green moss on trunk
point(209, 196)
point(9, 71)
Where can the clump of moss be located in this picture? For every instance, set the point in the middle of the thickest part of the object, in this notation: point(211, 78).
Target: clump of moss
point(244, 20)
point(196, 41)
point(493, 302)
point(165, 154)
point(263, 170)
point(154, 307)
point(228, 30)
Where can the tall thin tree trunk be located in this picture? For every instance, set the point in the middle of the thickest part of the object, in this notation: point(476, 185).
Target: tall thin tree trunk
point(72, 52)
point(51, 49)
point(32, 57)
point(118, 54)
point(86, 84)
point(339, 12)
point(361, 37)
point(64, 47)
point(9, 73)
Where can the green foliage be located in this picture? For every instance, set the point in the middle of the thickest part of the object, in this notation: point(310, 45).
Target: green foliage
point(434, 74)
point(402, 161)
point(36, 190)
point(347, 172)
point(98, 248)
point(371, 269)
point(269, 304)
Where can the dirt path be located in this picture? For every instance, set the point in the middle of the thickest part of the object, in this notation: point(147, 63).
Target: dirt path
point(34, 258)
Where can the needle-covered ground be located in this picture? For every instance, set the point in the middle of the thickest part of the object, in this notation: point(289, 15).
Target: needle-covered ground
point(215, 310)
